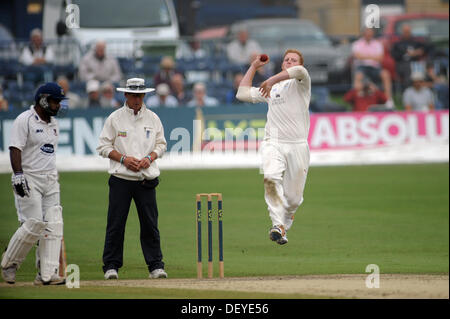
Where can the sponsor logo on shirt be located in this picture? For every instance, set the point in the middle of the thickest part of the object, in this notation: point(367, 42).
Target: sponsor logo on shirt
point(39, 130)
point(122, 134)
point(48, 148)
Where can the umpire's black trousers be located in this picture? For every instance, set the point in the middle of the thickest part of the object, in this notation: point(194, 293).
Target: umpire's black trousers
point(121, 192)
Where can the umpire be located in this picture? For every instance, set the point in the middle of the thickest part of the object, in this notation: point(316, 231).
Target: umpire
point(132, 138)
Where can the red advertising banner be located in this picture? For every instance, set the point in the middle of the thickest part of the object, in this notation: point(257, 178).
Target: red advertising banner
point(356, 130)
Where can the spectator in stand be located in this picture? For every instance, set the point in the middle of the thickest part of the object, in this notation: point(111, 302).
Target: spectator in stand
point(231, 95)
point(74, 99)
point(179, 90)
point(241, 50)
point(201, 98)
point(364, 95)
point(190, 50)
point(406, 51)
point(166, 72)
point(93, 92)
point(368, 56)
point(96, 65)
point(438, 83)
point(418, 97)
point(4, 106)
point(107, 99)
point(162, 98)
point(36, 53)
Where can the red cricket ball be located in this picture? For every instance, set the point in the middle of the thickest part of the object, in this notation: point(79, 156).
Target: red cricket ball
point(263, 58)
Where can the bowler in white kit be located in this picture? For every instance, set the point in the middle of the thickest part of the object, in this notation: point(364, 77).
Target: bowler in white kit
point(284, 150)
point(34, 140)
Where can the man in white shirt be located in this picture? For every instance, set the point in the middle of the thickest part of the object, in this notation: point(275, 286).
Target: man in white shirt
point(284, 150)
point(133, 138)
point(200, 97)
point(96, 64)
point(34, 140)
point(241, 50)
point(163, 98)
point(36, 53)
point(418, 97)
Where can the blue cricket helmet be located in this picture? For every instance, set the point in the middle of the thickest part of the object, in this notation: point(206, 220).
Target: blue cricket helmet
point(52, 90)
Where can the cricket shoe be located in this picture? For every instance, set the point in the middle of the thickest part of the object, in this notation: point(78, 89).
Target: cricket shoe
point(54, 280)
point(278, 234)
point(9, 274)
point(283, 240)
point(111, 274)
point(158, 273)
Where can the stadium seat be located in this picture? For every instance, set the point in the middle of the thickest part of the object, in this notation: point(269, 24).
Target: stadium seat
point(78, 87)
point(126, 65)
point(10, 68)
point(68, 71)
point(37, 73)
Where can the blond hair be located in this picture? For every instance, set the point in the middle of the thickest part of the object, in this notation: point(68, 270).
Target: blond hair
point(300, 55)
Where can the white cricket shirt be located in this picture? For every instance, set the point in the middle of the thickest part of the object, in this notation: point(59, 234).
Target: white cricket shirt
point(132, 135)
point(38, 141)
point(288, 115)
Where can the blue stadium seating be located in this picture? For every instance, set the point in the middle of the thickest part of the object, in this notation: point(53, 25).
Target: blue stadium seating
point(10, 68)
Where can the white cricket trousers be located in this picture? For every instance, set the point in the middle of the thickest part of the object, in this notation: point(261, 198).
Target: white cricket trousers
point(285, 168)
point(44, 193)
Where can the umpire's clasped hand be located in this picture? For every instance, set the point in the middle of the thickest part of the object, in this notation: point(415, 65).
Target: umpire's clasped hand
point(132, 163)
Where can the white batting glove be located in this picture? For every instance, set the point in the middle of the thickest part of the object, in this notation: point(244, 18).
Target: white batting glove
point(20, 185)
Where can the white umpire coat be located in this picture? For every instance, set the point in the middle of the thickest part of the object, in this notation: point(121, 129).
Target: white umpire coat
point(132, 135)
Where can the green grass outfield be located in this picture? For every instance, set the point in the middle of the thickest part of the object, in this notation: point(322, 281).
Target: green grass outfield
point(394, 216)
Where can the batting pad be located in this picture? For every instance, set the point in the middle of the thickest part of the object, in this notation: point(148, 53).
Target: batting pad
point(50, 243)
point(22, 241)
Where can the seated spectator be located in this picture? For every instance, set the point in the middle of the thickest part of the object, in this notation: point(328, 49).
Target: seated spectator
point(368, 56)
point(362, 97)
point(231, 95)
point(96, 65)
point(240, 50)
point(93, 92)
point(190, 50)
point(178, 89)
point(406, 51)
point(201, 99)
point(162, 98)
point(418, 97)
point(166, 71)
point(4, 106)
point(107, 99)
point(74, 99)
point(438, 83)
point(36, 53)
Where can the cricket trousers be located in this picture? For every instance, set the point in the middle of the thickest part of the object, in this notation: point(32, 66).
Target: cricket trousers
point(121, 192)
point(285, 168)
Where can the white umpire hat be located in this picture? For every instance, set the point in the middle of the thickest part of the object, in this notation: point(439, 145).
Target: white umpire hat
point(135, 85)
